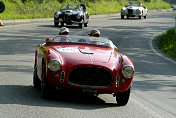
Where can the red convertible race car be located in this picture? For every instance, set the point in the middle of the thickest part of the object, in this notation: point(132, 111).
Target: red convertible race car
point(82, 63)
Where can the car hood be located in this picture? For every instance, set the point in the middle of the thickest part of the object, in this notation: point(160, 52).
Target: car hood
point(91, 54)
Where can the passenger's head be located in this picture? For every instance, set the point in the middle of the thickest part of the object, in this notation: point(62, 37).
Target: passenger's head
point(64, 31)
point(95, 33)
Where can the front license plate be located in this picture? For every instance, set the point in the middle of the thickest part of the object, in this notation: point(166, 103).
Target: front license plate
point(90, 90)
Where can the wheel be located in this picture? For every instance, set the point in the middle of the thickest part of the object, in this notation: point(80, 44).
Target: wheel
point(46, 89)
point(85, 24)
point(127, 17)
point(62, 24)
point(36, 80)
point(122, 98)
point(56, 24)
point(122, 16)
point(139, 17)
point(145, 17)
point(80, 25)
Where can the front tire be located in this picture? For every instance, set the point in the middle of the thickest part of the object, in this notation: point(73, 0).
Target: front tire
point(139, 17)
point(80, 25)
point(85, 24)
point(56, 24)
point(62, 24)
point(46, 89)
point(145, 17)
point(123, 97)
point(36, 80)
point(122, 16)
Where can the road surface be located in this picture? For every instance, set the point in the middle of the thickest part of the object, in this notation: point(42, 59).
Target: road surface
point(153, 92)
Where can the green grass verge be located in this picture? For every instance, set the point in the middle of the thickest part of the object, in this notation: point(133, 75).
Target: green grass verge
point(27, 9)
point(167, 43)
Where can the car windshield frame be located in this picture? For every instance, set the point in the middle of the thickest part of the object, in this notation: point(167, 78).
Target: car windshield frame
point(73, 7)
point(134, 4)
point(68, 39)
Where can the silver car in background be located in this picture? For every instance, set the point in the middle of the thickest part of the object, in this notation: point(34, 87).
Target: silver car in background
point(134, 9)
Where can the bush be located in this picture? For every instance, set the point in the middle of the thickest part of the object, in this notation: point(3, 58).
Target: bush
point(167, 43)
point(27, 9)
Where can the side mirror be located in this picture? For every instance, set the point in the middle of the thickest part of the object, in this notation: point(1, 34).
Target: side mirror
point(115, 49)
point(2, 7)
point(48, 40)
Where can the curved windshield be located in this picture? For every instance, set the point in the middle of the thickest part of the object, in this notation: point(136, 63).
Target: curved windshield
point(72, 7)
point(100, 41)
point(136, 4)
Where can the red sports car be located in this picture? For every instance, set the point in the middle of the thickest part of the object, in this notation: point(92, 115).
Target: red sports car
point(82, 63)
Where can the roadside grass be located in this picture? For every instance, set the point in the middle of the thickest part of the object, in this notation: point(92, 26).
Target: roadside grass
point(167, 43)
point(30, 9)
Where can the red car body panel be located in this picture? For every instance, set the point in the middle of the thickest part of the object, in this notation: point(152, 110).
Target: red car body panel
point(73, 55)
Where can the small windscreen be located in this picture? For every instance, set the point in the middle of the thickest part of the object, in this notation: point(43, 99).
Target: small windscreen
point(100, 41)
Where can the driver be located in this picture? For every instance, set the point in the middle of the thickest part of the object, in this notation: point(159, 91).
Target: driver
point(93, 34)
point(64, 32)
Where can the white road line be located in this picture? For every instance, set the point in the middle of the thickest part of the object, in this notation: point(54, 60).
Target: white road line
point(159, 54)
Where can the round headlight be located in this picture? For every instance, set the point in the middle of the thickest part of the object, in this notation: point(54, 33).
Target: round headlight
point(56, 15)
point(127, 71)
point(54, 65)
point(138, 11)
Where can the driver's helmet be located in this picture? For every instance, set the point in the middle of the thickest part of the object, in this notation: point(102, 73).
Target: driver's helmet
point(64, 31)
point(95, 33)
point(68, 7)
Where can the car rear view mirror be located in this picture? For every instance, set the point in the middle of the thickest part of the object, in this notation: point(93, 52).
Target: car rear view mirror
point(48, 40)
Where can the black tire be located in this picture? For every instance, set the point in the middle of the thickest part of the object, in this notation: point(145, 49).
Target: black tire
point(127, 17)
point(80, 25)
point(56, 24)
point(36, 80)
point(85, 24)
point(122, 98)
point(2, 7)
point(139, 17)
point(122, 16)
point(145, 17)
point(62, 24)
point(46, 89)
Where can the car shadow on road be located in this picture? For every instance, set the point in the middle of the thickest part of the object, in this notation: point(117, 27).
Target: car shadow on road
point(27, 95)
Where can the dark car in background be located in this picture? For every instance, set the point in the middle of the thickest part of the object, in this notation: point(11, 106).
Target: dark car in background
point(72, 14)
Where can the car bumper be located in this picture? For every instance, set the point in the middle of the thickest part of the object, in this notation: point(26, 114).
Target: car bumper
point(59, 20)
point(61, 80)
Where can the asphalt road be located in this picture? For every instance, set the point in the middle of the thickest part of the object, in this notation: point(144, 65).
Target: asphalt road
point(153, 92)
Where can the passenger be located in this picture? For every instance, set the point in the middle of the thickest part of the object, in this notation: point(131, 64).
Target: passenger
point(77, 8)
point(140, 4)
point(94, 33)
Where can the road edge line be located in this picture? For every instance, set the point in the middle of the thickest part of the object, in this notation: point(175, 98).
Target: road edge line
point(156, 50)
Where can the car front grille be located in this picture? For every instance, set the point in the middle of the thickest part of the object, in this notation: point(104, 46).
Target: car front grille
point(91, 76)
point(130, 11)
point(67, 17)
